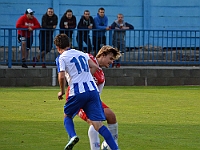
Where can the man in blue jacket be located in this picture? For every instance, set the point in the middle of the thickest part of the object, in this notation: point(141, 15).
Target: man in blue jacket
point(101, 23)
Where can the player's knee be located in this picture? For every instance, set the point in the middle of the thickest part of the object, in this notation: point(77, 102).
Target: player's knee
point(65, 116)
point(97, 125)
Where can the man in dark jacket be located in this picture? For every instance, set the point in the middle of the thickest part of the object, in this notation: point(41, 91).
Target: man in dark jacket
point(67, 23)
point(119, 35)
point(49, 23)
point(86, 22)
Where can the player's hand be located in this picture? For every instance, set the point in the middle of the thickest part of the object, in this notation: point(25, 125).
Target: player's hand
point(60, 95)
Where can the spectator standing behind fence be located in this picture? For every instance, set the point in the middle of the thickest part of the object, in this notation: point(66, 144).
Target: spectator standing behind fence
point(86, 22)
point(119, 34)
point(28, 22)
point(49, 23)
point(67, 23)
point(101, 23)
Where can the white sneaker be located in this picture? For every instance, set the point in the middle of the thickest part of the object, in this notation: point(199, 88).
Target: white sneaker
point(71, 143)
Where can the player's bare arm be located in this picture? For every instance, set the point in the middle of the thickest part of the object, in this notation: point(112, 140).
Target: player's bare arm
point(93, 66)
point(61, 80)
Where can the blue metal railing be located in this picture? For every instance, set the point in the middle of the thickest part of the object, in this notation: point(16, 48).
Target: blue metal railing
point(142, 47)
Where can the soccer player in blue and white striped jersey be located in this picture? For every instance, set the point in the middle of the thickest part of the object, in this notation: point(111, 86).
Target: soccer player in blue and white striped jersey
point(83, 91)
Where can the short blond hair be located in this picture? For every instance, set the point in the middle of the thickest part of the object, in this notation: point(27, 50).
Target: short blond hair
point(105, 50)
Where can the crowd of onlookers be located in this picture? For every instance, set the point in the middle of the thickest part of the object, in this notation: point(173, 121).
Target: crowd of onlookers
point(98, 25)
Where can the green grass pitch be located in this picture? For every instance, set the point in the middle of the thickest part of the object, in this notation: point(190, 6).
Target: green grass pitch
point(149, 118)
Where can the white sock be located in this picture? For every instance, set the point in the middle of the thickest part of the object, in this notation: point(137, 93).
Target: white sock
point(113, 128)
point(94, 138)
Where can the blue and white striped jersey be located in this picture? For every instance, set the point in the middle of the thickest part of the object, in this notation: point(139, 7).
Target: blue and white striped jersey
point(76, 67)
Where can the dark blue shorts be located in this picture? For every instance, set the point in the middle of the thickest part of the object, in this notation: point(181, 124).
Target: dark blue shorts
point(89, 101)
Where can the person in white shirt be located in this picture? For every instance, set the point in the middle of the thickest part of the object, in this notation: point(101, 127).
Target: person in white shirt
point(105, 57)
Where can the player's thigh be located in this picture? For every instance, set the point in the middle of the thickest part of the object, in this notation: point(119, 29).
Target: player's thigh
point(110, 116)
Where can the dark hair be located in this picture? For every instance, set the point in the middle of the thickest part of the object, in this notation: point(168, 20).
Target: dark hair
point(101, 9)
point(62, 41)
point(50, 8)
point(86, 11)
point(68, 10)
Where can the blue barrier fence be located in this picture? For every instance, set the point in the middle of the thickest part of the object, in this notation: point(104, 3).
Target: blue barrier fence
point(139, 47)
